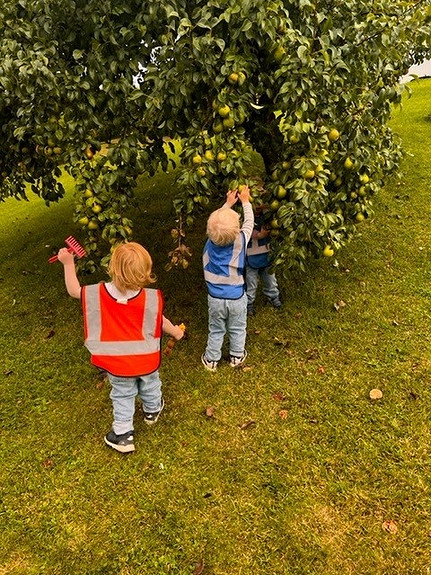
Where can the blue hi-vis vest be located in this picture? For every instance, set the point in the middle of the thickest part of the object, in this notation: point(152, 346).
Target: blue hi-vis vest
point(224, 268)
point(258, 253)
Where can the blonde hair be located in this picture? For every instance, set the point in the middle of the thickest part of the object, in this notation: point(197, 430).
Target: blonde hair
point(130, 267)
point(223, 226)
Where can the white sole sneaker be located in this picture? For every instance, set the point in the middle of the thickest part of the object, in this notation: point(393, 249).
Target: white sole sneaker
point(209, 365)
point(237, 361)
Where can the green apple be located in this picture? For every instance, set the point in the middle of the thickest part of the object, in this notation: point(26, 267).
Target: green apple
point(281, 192)
point(333, 135)
point(224, 111)
point(348, 164)
point(228, 123)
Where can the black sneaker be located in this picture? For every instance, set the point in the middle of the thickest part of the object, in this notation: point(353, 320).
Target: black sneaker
point(235, 361)
point(122, 443)
point(209, 365)
point(151, 418)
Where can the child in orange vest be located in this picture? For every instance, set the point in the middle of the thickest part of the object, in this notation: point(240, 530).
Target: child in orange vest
point(123, 325)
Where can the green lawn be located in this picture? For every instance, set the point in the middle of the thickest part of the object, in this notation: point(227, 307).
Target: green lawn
point(297, 470)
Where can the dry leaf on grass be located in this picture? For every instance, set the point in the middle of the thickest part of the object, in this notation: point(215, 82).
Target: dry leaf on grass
point(376, 394)
point(209, 411)
point(389, 526)
point(312, 354)
point(247, 424)
point(283, 413)
point(282, 342)
point(278, 396)
point(199, 568)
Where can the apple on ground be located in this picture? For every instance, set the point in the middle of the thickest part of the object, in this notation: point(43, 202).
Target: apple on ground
point(328, 251)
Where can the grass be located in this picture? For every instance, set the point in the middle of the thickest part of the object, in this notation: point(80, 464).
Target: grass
point(296, 471)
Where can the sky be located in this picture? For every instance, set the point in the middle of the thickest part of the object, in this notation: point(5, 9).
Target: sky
point(423, 69)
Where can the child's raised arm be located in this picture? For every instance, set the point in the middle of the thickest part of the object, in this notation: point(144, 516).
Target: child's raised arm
point(70, 278)
point(248, 224)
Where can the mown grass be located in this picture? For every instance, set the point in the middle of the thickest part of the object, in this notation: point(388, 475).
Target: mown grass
point(296, 471)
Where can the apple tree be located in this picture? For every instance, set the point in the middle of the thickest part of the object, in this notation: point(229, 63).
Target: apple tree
point(292, 98)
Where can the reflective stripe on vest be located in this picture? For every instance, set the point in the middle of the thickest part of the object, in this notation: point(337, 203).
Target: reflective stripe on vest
point(235, 274)
point(107, 326)
point(256, 247)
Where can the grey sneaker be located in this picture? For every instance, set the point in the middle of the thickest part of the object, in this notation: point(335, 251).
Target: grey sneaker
point(151, 418)
point(275, 303)
point(209, 365)
point(235, 361)
point(122, 443)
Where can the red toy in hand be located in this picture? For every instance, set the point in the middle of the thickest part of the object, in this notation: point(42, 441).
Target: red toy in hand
point(73, 246)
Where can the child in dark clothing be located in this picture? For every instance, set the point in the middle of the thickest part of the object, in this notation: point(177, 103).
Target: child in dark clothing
point(257, 264)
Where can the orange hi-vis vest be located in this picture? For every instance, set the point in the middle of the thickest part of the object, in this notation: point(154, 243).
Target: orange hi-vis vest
point(123, 338)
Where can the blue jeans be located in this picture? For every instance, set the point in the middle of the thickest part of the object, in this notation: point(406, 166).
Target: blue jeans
point(123, 393)
point(226, 315)
point(269, 284)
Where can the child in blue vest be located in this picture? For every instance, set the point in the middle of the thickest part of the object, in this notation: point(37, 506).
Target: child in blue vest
point(224, 267)
point(123, 324)
point(257, 264)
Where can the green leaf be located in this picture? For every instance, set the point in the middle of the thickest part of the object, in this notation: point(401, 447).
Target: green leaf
point(302, 51)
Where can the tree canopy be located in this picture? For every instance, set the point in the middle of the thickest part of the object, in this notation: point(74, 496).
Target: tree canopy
point(292, 98)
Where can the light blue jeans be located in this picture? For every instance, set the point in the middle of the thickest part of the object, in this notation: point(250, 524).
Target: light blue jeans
point(226, 315)
point(269, 284)
point(123, 393)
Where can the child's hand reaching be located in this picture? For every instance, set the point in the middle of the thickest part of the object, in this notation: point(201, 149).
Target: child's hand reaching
point(65, 257)
point(244, 194)
point(262, 233)
point(231, 198)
